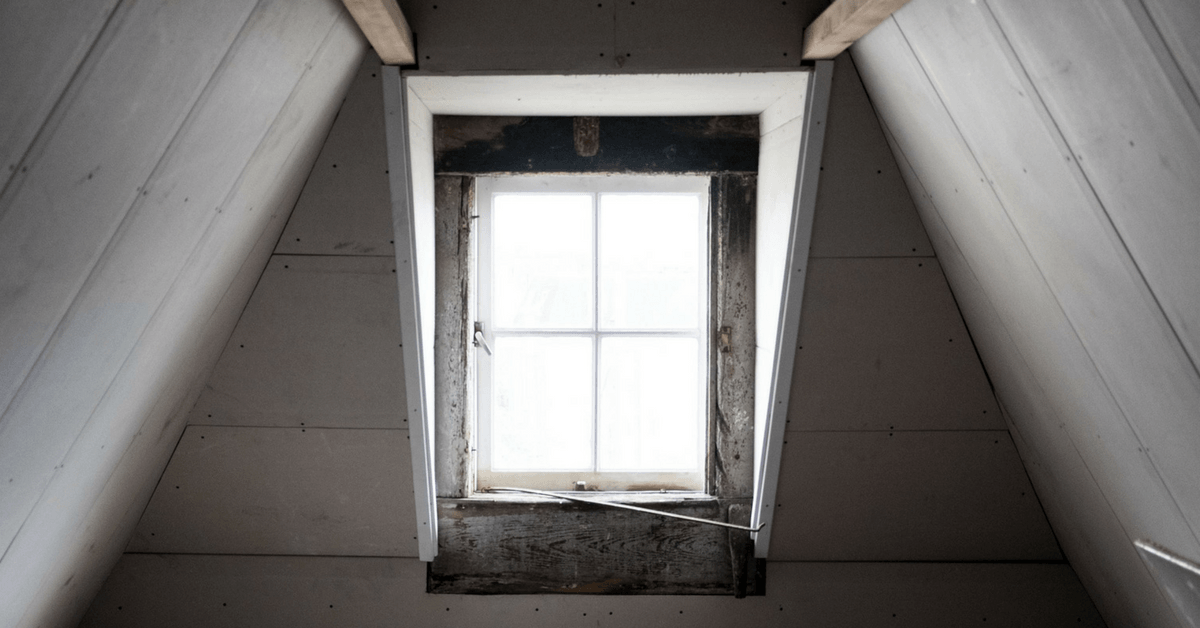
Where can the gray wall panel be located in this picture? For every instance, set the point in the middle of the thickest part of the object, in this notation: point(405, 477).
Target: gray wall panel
point(240, 490)
point(318, 345)
point(932, 496)
point(266, 591)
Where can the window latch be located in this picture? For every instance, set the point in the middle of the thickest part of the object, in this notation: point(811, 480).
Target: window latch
point(480, 341)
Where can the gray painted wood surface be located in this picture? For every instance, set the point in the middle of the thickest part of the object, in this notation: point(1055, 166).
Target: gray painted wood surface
point(345, 208)
point(863, 207)
point(268, 490)
point(184, 591)
point(883, 347)
point(939, 496)
point(318, 345)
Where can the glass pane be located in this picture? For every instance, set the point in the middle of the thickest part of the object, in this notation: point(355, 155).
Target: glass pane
point(649, 261)
point(542, 409)
point(542, 261)
point(650, 418)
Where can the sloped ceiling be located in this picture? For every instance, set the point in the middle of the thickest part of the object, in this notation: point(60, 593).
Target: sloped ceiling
point(1052, 153)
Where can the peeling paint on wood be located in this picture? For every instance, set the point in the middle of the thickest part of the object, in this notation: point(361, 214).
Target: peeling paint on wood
point(454, 377)
point(732, 420)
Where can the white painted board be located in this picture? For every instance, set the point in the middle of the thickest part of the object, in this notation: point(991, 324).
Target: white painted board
point(345, 208)
point(61, 33)
point(53, 233)
point(273, 490)
point(73, 542)
point(1134, 129)
point(318, 345)
point(907, 496)
point(1096, 475)
point(409, 126)
point(119, 355)
point(883, 347)
point(747, 93)
point(783, 232)
point(1113, 226)
point(183, 591)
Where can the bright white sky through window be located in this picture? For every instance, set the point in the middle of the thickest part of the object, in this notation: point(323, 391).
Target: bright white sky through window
point(595, 304)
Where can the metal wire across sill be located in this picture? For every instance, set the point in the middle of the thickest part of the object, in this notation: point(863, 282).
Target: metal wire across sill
point(598, 502)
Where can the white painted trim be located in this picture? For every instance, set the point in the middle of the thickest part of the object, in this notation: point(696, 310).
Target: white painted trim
point(784, 348)
point(748, 93)
point(420, 406)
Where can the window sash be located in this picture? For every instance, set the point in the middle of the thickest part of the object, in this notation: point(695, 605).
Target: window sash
point(595, 186)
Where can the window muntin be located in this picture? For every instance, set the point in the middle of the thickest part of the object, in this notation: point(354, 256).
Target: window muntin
point(606, 384)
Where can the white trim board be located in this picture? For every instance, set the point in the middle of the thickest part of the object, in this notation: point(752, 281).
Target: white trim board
point(789, 123)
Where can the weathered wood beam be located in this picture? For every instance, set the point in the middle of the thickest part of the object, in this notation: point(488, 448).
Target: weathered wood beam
point(385, 27)
point(842, 24)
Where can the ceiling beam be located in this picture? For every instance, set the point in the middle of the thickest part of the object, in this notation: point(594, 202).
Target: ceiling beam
point(842, 24)
point(385, 27)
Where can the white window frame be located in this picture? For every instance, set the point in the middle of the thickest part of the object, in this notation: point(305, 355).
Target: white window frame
point(792, 106)
point(486, 188)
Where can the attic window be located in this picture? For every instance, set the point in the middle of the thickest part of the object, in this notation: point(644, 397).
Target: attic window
point(791, 108)
point(592, 343)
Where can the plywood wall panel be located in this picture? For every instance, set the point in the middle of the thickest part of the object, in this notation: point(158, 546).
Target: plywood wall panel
point(936, 496)
point(710, 34)
point(883, 347)
point(345, 208)
point(324, 591)
point(305, 491)
point(863, 208)
point(318, 345)
point(514, 35)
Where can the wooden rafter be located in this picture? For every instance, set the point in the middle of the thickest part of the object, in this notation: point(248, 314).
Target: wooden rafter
point(385, 27)
point(843, 23)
